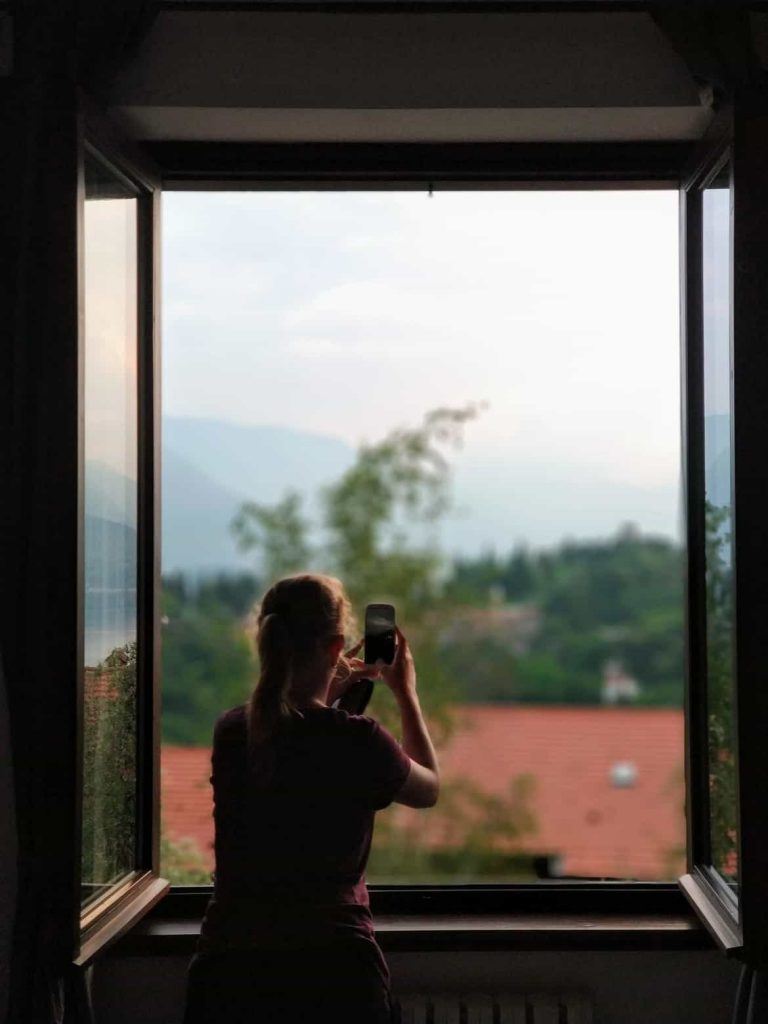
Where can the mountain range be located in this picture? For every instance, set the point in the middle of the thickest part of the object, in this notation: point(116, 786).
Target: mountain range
point(210, 467)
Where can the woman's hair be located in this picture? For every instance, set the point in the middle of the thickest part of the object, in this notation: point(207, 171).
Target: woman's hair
point(296, 615)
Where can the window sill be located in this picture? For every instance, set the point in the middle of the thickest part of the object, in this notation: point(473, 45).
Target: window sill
point(121, 917)
point(558, 918)
point(711, 910)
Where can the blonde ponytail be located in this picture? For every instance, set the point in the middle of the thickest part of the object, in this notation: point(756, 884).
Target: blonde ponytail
point(296, 615)
point(269, 702)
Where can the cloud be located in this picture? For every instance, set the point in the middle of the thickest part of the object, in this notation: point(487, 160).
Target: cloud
point(350, 313)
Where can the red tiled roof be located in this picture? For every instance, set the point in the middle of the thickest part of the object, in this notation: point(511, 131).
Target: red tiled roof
point(597, 828)
point(186, 799)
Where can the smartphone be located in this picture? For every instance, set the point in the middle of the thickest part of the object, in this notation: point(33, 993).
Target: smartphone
point(356, 699)
point(379, 633)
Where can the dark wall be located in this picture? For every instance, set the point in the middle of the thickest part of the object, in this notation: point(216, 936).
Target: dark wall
point(39, 490)
point(628, 987)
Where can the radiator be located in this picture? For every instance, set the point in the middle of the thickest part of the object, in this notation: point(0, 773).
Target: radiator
point(510, 1008)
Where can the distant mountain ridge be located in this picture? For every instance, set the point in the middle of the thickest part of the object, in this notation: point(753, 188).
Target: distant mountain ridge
point(211, 466)
point(260, 462)
point(197, 512)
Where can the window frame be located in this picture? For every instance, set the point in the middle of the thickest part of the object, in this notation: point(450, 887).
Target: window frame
point(576, 165)
point(701, 887)
point(486, 166)
point(110, 915)
point(231, 166)
point(750, 490)
point(742, 139)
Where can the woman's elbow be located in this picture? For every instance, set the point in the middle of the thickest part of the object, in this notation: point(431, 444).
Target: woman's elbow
point(421, 789)
point(432, 794)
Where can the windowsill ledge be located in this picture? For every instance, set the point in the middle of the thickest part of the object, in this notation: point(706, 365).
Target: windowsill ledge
point(158, 936)
point(122, 918)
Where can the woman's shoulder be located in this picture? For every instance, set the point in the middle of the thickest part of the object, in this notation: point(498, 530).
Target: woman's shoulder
point(230, 726)
point(357, 728)
point(229, 723)
point(336, 720)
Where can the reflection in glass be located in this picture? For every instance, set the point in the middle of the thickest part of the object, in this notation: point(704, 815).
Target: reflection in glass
point(109, 532)
point(716, 298)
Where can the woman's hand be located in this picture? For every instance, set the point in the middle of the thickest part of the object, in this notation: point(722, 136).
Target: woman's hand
point(349, 671)
point(400, 676)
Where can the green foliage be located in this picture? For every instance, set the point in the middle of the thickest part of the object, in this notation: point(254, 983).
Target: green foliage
point(182, 862)
point(723, 794)
point(278, 532)
point(109, 769)
point(516, 577)
point(207, 659)
point(614, 599)
point(220, 594)
point(478, 836)
point(402, 479)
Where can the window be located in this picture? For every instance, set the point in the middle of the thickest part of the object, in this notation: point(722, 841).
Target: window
point(718, 523)
point(118, 818)
point(537, 567)
point(110, 538)
point(207, 604)
point(714, 799)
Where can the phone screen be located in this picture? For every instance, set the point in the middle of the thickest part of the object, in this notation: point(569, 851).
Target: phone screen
point(379, 633)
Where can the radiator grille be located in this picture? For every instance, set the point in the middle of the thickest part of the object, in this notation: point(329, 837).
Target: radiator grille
point(502, 1008)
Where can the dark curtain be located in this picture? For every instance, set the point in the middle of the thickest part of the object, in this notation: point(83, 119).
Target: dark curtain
point(59, 47)
point(8, 851)
point(715, 42)
point(108, 34)
point(751, 997)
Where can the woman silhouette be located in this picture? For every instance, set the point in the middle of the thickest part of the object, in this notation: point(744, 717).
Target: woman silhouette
point(288, 934)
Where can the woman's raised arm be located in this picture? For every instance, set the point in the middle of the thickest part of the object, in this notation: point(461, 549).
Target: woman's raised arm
point(422, 786)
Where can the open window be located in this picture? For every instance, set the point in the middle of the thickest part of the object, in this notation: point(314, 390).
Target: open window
point(118, 646)
point(313, 340)
point(723, 234)
point(725, 390)
point(723, 410)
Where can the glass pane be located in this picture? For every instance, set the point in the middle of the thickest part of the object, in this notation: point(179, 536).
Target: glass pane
point(716, 298)
point(110, 409)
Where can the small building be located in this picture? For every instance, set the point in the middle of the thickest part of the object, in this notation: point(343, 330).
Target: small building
point(619, 687)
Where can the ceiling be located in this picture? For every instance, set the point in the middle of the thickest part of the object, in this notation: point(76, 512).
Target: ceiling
point(287, 76)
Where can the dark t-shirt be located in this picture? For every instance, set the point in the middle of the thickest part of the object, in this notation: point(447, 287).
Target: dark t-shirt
point(291, 851)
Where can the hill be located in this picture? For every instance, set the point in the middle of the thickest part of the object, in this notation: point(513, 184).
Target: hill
point(210, 467)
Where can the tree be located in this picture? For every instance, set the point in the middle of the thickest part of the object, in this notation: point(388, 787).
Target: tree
point(475, 834)
point(207, 663)
point(723, 783)
point(109, 768)
point(278, 532)
point(367, 521)
point(392, 485)
point(182, 862)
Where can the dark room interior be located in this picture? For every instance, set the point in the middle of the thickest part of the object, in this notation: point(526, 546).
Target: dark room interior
point(139, 102)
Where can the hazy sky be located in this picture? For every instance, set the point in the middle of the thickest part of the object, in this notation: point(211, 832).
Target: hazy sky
point(350, 313)
point(109, 234)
